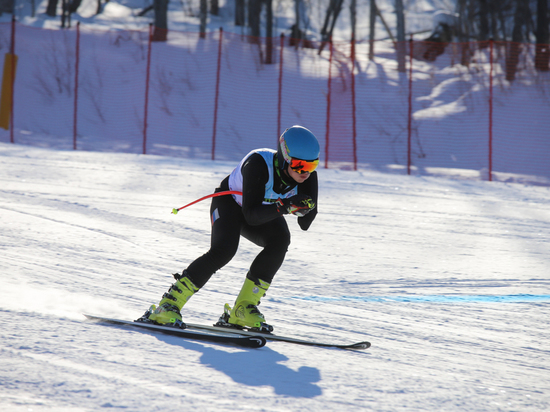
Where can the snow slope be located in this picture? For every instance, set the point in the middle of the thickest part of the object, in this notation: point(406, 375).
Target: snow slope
point(447, 279)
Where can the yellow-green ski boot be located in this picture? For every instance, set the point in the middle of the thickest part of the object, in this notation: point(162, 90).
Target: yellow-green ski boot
point(167, 313)
point(245, 313)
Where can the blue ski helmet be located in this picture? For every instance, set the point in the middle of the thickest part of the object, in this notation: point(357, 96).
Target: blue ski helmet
point(297, 142)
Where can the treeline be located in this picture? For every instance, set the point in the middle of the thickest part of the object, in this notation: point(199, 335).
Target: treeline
point(516, 21)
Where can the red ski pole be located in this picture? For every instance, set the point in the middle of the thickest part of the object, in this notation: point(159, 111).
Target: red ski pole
point(227, 192)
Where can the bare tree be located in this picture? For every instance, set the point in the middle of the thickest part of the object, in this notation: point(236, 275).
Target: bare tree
point(296, 31)
point(464, 10)
point(483, 20)
point(353, 17)
point(239, 12)
point(254, 23)
point(269, 31)
point(333, 11)
point(7, 6)
point(522, 19)
point(372, 24)
point(401, 45)
point(214, 7)
point(542, 58)
point(203, 17)
point(254, 17)
point(161, 20)
point(51, 8)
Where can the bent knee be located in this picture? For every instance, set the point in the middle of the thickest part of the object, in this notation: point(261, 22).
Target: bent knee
point(222, 255)
point(279, 242)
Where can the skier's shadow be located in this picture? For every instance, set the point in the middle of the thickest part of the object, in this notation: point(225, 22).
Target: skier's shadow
point(256, 367)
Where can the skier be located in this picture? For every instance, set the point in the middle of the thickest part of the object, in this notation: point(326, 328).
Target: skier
point(273, 184)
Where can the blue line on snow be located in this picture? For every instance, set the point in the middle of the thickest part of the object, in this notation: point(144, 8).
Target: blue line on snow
point(433, 298)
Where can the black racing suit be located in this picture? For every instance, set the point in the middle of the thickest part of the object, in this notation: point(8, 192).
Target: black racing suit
point(262, 224)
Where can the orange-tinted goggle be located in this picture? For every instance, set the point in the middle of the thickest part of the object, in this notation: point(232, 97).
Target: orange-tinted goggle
point(303, 166)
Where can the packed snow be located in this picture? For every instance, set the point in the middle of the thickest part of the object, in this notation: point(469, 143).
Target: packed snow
point(448, 279)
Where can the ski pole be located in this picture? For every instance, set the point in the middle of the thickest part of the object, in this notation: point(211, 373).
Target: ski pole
point(227, 192)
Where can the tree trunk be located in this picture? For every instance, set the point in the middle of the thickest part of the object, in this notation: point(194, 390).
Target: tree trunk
point(254, 12)
point(161, 20)
point(214, 7)
point(464, 31)
point(51, 9)
point(334, 8)
point(372, 27)
point(296, 29)
point(493, 13)
point(483, 20)
point(353, 17)
point(269, 32)
point(203, 18)
point(401, 45)
point(336, 13)
point(514, 50)
point(73, 5)
point(542, 57)
point(239, 13)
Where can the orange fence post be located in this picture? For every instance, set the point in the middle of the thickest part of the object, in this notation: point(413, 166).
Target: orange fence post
point(8, 82)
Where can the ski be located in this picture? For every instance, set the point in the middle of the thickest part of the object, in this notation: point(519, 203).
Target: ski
point(248, 340)
point(273, 337)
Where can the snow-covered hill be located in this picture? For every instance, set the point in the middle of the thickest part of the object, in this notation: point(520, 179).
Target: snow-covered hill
point(206, 99)
point(447, 279)
point(183, 15)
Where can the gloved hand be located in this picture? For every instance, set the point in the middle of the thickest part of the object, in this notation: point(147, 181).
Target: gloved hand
point(298, 205)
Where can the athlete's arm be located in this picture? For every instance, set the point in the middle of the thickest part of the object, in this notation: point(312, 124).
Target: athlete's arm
point(255, 176)
point(309, 187)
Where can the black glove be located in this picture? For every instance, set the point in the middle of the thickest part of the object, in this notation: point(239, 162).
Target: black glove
point(298, 205)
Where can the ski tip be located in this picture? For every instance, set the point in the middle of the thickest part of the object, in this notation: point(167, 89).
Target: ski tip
point(359, 345)
point(257, 341)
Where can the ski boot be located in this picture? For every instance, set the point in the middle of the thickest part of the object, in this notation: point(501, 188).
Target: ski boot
point(167, 313)
point(245, 313)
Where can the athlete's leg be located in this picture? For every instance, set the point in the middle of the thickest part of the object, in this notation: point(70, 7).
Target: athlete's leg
point(227, 218)
point(274, 237)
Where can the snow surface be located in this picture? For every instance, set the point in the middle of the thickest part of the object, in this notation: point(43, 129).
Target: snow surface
point(448, 279)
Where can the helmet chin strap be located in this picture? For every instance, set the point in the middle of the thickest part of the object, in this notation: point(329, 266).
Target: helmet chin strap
point(283, 175)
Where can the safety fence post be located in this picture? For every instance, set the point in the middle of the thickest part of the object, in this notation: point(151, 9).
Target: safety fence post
point(353, 103)
point(13, 63)
point(279, 104)
point(76, 70)
point(217, 95)
point(409, 125)
point(491, 45)
point(147, 77)
point(327, 136)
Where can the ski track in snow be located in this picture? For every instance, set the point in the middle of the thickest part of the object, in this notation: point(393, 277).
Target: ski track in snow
point(387, 260)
